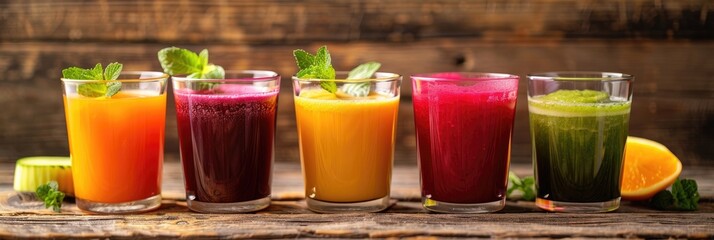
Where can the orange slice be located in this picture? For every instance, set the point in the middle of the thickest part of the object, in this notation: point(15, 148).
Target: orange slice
point(649, 168)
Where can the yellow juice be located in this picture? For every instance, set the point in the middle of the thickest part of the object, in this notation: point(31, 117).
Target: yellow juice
point(346, 145)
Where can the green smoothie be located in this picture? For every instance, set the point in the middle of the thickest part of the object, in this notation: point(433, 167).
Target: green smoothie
point(579, 144)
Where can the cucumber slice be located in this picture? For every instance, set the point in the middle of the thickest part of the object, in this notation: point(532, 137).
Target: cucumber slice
point(31, 172)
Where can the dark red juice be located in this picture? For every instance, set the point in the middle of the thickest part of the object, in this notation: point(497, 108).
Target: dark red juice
point(464, 133)
point(226, 142)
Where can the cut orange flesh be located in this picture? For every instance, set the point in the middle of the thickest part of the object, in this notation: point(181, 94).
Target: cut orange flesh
point(649, 168)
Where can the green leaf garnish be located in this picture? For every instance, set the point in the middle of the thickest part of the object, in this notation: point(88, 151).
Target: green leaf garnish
point(304, 59)
point(108, 89)
point(92, 89)
point(683, 197)
point(214, 72)
point(112, 71)
point(84, 74)
point(176, 61)
point(525, 186)
point(112, 88)
point(318, 66)
point(363, 71)
point(50, 195)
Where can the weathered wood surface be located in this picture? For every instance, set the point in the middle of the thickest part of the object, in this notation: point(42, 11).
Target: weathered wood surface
point(673, 99)
point(283, 21)
point(289, 218)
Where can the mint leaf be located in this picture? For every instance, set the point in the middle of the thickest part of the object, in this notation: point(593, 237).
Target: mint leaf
point(50, 195)
point(203, 57)
point(92, 89)
point(525, 186)
point(213, 72)
point(363, 71)
point(322, 58)
point(330, 86)
point(112, 88)
point(304, 59)
point(176, 61)
point(112, 71)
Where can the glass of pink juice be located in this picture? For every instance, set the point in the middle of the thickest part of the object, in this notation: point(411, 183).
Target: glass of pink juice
point(464, 124)
point(226, 136)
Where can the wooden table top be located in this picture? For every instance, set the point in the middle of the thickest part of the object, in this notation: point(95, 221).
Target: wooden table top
point(288, 217)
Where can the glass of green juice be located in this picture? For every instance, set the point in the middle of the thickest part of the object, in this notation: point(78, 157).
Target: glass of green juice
point(579, 123)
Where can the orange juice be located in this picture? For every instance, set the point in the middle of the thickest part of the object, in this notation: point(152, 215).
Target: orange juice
point(117, 145)
point(346, 145)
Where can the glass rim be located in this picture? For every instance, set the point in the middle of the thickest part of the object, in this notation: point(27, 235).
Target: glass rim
point(588, 76)
point(155, 76)
point(387, 78)
point(274, 76)
point(485, 76)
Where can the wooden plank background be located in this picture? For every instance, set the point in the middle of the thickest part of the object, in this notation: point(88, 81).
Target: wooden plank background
point(667, 45)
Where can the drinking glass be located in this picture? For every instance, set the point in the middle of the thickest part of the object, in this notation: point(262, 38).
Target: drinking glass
point(464, 125)
point(347, 141)
point(226, 135)
point(579, 123)
point(117, 142)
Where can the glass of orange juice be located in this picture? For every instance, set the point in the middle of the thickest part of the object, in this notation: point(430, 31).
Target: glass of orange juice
point(117, 143)
point(347, 142)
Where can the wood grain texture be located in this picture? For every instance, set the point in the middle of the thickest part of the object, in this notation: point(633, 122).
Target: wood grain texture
point(282, 21)
point(673, 99)
point(288, 217)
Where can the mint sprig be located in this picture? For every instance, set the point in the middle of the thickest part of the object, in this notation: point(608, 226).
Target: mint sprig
point(318, 66)
point(94, 90)
point(50, 195)
point(525, 186)
point(177, 61)
point(683, 197)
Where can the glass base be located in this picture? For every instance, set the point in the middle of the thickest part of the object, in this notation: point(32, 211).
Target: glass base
point(335, 207)
point(143, 205)
point(593, 207)
point(445, 207)
point(234, 207)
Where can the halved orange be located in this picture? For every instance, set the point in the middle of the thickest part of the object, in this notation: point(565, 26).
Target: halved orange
point(649, 168)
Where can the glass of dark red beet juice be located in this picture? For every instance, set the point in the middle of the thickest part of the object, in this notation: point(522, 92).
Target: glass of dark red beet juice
point(226, 134)
point(464, 124)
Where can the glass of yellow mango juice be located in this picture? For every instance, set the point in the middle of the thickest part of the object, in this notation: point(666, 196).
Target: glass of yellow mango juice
point(347, 141)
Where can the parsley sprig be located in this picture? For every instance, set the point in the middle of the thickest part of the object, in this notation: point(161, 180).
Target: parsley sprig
point(683, 197)
point(50, 195)
point(524, 186)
